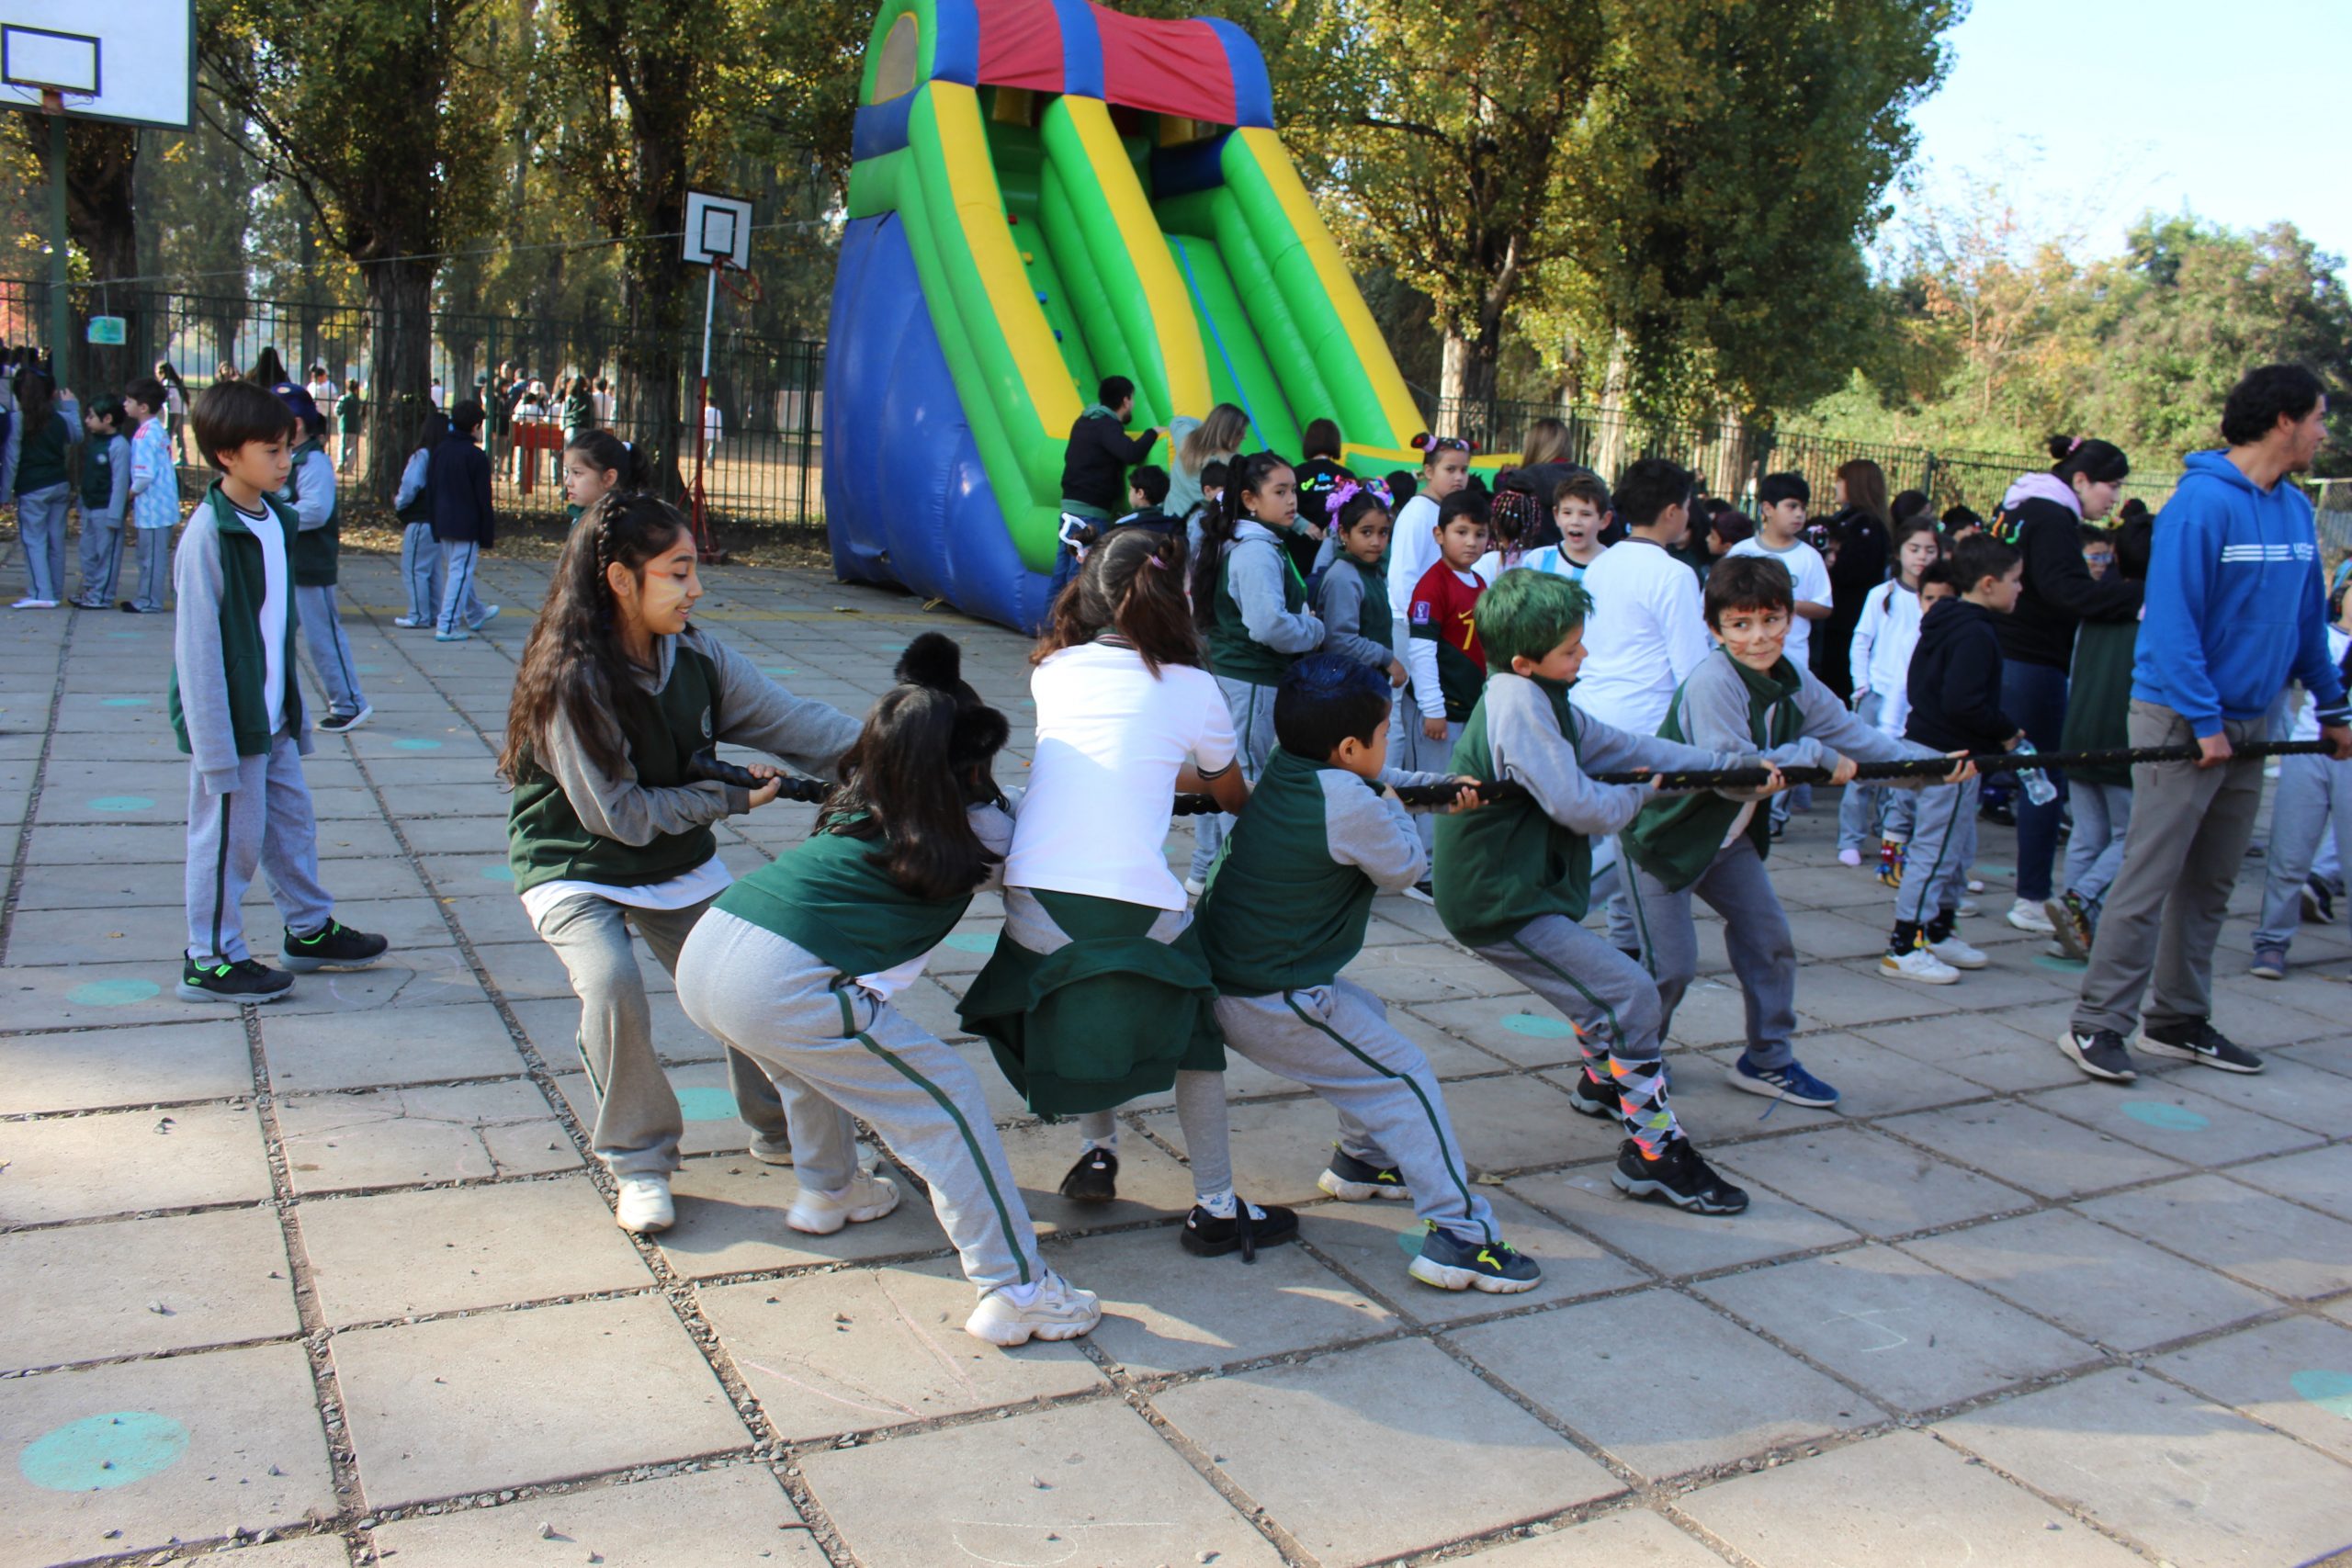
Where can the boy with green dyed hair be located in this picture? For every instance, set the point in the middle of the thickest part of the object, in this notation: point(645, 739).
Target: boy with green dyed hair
point(1514, 877)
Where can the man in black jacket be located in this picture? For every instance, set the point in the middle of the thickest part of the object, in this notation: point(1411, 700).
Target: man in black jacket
point(463, 524)
point(1094, 470)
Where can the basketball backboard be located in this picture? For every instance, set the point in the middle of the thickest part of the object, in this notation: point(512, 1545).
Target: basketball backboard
point(133, 61)
point(718, 228)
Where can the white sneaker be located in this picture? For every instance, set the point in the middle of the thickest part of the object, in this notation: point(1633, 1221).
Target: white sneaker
point(1194, 887)
point(1977, 885)
point(643, 1205)
point(2027, 916)
point(489, 613)
point(869, 1197)
point(1920, 965)
point(1850, 857)
point(1056, 1309)
point(28, 603)
point(1969, 907)
point(1957, 954)
point(409, 621)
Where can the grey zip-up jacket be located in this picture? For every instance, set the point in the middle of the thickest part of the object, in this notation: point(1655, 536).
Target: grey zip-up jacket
point(1525, 744)
point(1716, 705)
point(1254, 577)
point(1338, 597)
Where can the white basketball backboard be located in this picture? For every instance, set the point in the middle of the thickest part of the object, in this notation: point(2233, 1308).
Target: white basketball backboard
point(131, 61)
point(718, 228)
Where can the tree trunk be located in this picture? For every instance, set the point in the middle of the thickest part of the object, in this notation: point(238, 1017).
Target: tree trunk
point(101, 214)
point(1610, 458)
point(400, 304)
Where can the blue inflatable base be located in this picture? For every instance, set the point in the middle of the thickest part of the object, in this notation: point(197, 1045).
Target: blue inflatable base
point(907, 501)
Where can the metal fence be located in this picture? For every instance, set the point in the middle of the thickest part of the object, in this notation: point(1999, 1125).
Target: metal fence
point(767, 394)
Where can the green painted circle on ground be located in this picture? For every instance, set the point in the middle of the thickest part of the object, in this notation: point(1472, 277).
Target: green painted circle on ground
point(705, 1104)
point(128, 702)
point(501, 873)
point(2165, 1116)
point(99, 1452)
point(414, 743)
point(2328, 1389)
point(778, 670)
point(973, 941)
point(112, 993)
point(121, 802)
point(2064, 966)
point(1538, 1026)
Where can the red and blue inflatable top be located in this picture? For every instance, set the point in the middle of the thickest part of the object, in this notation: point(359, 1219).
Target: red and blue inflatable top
point(1200, 68)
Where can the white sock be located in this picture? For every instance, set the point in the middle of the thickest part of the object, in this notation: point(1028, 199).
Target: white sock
point(1021, 1295)
point(1223, 1206)
point(1109, 1144)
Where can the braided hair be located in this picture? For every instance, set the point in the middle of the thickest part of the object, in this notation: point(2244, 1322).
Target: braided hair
point(1245, 476)
point(572, 668)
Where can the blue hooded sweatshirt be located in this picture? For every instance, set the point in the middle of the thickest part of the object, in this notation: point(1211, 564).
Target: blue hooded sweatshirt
point(2236, 604)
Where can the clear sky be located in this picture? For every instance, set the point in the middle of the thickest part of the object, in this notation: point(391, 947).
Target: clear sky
point(2234, 109)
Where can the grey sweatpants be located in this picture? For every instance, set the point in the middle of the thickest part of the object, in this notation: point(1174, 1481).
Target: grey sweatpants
point(2313, 794)
point(40, 538)
point(101, 556)
point(1200, 1096)
point(2095, 849)
point(461, 607)
point(1252, 707)
point(638, 1120)
point(330, 649)
point(420, 572)
point(155, 567)
point(2189, 830)
point(1943, 841)
point(265, 823)
point(1614, 1005)
point(836, 1050)
point(1756, 937)
point(1336, 1040)
point(1861, 805)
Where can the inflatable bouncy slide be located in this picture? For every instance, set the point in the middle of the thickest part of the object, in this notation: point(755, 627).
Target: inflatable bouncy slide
point(1045, 193)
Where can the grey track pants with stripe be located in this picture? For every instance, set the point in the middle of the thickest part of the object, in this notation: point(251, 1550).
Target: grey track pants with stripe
point(267, 824)
point(836, 1050)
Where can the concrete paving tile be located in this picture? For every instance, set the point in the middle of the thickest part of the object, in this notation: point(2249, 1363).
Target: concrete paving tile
point(2170, 1117)
point(1279, 1146)
point(1517, 1028)
point(447, 1249)
point(2288, 1090)
point(1988, 1050)
point(730, 1221)
point(395, 1136)
point(530, 970)
point(1089, 1482)
point(1152, 1183)
point(84, 1292)
point(860, 1349)
point(426, 978)
point(188, 1448)
point(311, 1053)
point(1634, 1538)
point(1511, 1124)
point(1426, 973)
point(1857, 929)
point(151, 1064)
point(2092, 1280)
point(1376, 1241)
point(1724, 1395)
point(1713, 1013)
point(161, 841)
point(2188, 1482)
point(1915, 1338)
point(2031, 1149)
point(2321, 1179)
point(1167, 1311)
point(2267, 1241)
point(456, 836)
point(1872, 1080)
point(1869, 1181)
point(2295, 1374)
point(321, 1550)
point(1901, 1498)
point(1478, 1461)
point(1670, 1241)
point(712, 1123)
point(500, 1399)
point(126, 1162)
point(553, 1025)
point(734, 1514)
point(1843, 996)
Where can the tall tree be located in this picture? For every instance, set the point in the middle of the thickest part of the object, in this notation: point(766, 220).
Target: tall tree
point(374, 111)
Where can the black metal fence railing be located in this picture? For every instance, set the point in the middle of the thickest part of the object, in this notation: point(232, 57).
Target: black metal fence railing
point(767, 394)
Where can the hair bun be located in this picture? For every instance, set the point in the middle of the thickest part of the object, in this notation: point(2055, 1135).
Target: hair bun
point(933, 659)
point(2062, 448)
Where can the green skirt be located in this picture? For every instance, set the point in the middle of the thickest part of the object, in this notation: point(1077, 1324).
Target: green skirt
point(1108, 1019)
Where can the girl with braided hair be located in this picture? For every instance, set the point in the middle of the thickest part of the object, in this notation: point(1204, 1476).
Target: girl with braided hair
point(609, 829)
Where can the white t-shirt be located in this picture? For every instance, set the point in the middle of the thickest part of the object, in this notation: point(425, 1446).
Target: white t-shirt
point(277, 594)
point(1110, 740)
point(2307, 715)
point(1645, 636)
point(1810, 574)
point(683, 891)
point(1551, 558)
point(1412, 550)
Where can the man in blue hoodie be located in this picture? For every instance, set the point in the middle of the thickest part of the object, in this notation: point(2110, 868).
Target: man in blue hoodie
point(2235, 610)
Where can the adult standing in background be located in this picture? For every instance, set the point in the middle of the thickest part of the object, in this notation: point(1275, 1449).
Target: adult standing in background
point(175, 409)
point(1193, 444)
point(1318, 472)
point(2236, 609)
point(2042, 515)
point(1543, 464)
point(1094, 470)
point(1861, 530)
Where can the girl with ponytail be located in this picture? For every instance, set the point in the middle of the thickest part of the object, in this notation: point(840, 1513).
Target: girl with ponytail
point(610, 823)
point(597, 462)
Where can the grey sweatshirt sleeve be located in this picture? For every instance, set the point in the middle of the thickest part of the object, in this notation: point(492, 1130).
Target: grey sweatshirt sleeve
point(618, 807)
point(992, 825)
point(1834, 730)
point(317, 499)
point(1255, 577)
point(119, 495)
point(1526, 746)
point(1371, 831)
point(1340, 598)
point(754, 711)
point(1715, 715)
point(196, 657)
point(412, 478)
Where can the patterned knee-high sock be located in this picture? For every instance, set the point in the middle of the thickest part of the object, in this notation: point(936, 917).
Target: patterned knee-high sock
point(1641, 1103)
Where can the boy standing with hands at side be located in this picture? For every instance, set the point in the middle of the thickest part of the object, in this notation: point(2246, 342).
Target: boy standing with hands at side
point(154, 492)
point(310, 492)
point(237, 710)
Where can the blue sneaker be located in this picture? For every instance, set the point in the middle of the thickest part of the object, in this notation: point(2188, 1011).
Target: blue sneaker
point(1452, 1264)
point(1790, 1083)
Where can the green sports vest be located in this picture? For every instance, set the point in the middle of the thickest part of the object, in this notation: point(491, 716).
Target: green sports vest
point(1233, 652)
point(311, 552)
point(1505, 865)
point(1676, 837)
point(827, 896)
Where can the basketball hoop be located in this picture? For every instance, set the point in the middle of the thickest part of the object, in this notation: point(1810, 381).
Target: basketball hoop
point(741, 285)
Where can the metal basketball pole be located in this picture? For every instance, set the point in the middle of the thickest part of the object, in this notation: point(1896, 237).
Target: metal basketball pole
point(703, 545)
point(60, 313)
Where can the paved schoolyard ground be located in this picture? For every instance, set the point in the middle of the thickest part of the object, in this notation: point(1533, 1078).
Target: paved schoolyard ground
point(334, 1282)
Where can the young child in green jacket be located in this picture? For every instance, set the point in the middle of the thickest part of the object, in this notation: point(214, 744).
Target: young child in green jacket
point(1286, 912)
point(237, 711)
point(1514, 878)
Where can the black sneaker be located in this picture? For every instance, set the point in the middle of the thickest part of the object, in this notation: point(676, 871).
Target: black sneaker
point(1593, 1097)
point(2198, 1041)
point(236, 984)
point(1354, 1181)
point(345, 723)
point(1095, 1179)
point(2102, 1054)
point(332, 946)
point(1452, 1264)
point(1678, 1176)
point(1250, 1228)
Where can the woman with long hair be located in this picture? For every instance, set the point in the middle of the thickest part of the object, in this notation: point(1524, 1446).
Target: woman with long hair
point(35, 464)
point(1862, 531)
point(1196, 443)
point(609, 826)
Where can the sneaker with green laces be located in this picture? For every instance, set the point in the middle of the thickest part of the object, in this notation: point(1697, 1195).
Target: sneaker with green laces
point(1451, 1263)
point(218, 980)
point(332, 946)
